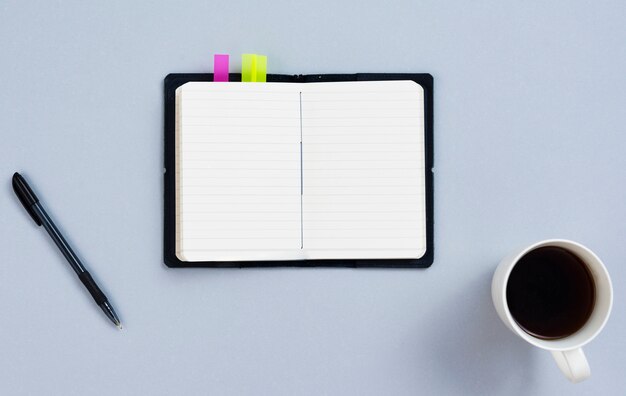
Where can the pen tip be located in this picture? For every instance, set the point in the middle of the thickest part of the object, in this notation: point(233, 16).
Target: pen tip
point(119, 326)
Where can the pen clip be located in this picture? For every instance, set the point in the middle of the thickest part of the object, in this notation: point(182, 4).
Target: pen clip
point(26, 196)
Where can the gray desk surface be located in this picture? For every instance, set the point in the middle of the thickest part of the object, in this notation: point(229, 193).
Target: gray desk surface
point(529, 143)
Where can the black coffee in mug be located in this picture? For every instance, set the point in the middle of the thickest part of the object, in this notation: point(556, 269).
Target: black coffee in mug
point(550, 293)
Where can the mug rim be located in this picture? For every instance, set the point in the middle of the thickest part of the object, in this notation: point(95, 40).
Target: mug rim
point(546, 343)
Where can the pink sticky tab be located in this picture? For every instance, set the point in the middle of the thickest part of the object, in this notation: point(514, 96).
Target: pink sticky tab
point(220, 68)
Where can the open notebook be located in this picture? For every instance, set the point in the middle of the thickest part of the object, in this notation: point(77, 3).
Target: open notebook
point(300, 172)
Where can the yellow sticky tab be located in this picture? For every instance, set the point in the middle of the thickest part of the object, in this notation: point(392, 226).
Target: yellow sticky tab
point(248, 68)
point(261, 68)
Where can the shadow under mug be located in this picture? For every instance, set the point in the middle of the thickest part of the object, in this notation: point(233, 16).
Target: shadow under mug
point(567, 351)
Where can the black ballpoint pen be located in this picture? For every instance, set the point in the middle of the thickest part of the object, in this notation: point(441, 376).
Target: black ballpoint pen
point(33, 207)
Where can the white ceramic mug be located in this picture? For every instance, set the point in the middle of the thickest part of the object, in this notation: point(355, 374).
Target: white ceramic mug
point(567, 351)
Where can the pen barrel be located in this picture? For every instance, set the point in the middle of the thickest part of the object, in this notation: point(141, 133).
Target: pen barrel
point(93, 288)
point(58, 239)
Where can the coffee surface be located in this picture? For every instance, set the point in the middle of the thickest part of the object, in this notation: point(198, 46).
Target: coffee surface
point(550, 293)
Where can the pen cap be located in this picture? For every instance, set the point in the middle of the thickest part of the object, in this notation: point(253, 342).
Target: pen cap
point(26, 195)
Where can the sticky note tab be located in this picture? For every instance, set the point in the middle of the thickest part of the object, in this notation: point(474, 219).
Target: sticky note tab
point(253, 68)
point(220, 67)
point(261, 68)
point(248, 67)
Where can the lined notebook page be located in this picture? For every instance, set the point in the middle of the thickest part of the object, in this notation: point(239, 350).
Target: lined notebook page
point(280, 171)
point(363, 167)
point(238, 172)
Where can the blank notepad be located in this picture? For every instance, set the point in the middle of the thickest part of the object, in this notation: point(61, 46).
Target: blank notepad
point(297, 171)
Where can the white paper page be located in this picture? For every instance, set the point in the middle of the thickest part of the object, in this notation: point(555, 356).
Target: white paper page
point(363, 167)
point(238, 172)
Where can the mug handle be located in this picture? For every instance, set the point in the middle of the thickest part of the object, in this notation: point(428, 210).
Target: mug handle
point(573, 364)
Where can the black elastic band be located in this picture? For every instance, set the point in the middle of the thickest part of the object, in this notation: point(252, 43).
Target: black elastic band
point(90, 284)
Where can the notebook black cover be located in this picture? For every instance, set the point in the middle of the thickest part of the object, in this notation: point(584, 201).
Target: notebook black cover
point(173, 81)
